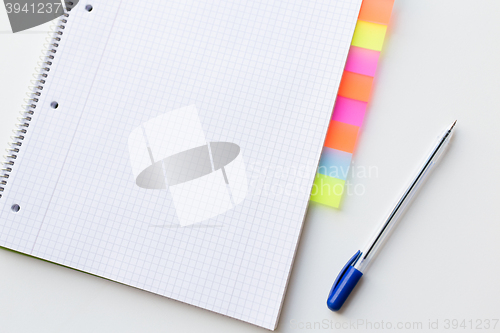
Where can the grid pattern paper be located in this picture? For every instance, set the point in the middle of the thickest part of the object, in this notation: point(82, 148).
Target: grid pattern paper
point(262, 75)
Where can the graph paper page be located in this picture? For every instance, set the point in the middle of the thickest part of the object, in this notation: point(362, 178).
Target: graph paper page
point(181, 155)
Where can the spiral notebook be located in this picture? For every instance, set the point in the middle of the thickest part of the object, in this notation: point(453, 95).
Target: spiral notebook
point(173, 146)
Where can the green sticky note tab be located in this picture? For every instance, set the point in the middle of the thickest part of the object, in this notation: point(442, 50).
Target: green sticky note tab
point(369, 35)
point(327, 190)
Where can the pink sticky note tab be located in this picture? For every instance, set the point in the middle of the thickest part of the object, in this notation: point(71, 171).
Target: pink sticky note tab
point(349, 111)
point(362, 61)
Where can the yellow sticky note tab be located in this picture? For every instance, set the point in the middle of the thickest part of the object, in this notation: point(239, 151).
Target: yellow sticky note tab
point(369, 35)
point(327, 190)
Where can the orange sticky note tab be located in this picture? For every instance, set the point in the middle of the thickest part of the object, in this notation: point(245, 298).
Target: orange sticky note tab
point(341, 136)
point(376, 11)
point(356, 86)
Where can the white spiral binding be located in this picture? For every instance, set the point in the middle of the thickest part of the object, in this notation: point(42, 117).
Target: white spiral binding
point(34, 93)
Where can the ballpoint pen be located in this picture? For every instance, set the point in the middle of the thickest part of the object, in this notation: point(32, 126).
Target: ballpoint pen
point(357, 265)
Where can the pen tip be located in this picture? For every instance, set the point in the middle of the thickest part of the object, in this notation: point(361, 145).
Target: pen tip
point(453, 125)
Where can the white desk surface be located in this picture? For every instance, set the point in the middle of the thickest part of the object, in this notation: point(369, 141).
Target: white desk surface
point(440, 63)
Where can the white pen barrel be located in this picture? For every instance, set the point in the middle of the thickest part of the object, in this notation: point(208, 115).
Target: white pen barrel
point(371, 250)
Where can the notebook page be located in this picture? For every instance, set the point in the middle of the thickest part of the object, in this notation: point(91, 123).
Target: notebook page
point(182, 153)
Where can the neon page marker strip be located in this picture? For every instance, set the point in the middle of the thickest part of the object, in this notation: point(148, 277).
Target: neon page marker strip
point(352, 100)
point(362, 61)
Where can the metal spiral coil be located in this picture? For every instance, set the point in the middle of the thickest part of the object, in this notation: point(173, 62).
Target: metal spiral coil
point(28, 111)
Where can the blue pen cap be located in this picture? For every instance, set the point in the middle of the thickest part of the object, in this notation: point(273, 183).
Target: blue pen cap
point(344, 284)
